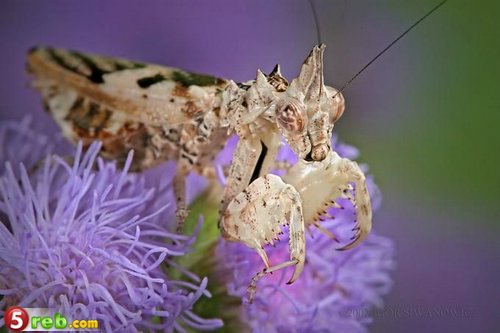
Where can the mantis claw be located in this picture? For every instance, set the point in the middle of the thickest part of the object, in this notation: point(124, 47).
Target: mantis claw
point(255, 217)
point(309, 179)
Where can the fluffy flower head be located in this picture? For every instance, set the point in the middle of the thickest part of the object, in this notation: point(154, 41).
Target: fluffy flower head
point(89, 240)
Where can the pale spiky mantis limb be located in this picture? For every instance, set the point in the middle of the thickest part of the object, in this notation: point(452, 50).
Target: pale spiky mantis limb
point(299, 199)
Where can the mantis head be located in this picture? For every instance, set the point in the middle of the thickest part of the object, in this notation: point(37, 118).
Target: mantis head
point(306, 109)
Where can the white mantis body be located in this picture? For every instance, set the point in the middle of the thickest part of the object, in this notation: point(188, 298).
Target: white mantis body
point(165, 113)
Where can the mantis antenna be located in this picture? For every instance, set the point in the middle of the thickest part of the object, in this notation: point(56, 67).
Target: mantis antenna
point(315, 15)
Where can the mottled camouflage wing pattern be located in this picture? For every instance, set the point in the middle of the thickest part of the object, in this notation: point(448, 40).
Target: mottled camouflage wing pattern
point(127, 105)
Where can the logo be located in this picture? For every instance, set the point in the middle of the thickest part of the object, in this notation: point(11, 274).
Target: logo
point(18, 319)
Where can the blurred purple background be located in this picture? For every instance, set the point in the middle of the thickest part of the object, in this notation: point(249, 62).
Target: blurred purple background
point(447, 259)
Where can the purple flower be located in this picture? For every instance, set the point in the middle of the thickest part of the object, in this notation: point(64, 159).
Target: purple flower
point(333, 284)
point(91, 241)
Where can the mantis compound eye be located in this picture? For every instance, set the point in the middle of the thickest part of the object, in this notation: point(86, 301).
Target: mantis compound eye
point(336, 104)
point(290, 118)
